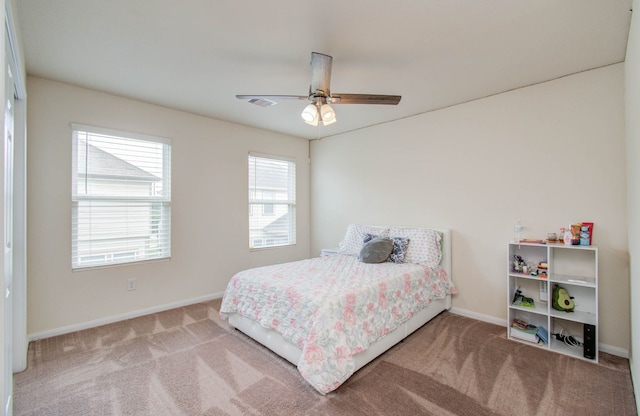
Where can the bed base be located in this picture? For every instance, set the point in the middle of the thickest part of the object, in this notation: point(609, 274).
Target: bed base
point(278, 344)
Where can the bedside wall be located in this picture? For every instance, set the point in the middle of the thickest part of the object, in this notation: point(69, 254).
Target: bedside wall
point(546, 155)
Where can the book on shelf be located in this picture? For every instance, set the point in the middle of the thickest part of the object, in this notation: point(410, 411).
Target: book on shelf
point(524, 331)
point(543, 334)
point(524, 334)
point(521, 300)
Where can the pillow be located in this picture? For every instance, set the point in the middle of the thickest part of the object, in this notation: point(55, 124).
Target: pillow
point(368, 237)
point(400, 246)
point(376, 250)
point(353, 240)
point(425, 247)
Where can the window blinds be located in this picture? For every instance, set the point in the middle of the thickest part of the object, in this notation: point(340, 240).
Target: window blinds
point(121, 197)
point(272, 201)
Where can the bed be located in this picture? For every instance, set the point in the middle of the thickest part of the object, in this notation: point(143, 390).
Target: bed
point(332, 315)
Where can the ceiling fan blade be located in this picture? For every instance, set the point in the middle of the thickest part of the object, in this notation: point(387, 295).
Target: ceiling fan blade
point(320, 73)
point(365, 99)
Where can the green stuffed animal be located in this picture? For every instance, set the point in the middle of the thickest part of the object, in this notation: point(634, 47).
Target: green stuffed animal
point(561, 299)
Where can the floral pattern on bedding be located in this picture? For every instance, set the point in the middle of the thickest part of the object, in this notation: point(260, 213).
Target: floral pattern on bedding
point(333, 307)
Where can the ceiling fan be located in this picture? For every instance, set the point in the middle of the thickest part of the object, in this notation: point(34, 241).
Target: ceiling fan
point(320, 95)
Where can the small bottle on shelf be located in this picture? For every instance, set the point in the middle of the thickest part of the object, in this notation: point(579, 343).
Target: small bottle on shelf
point(584, 236)
point(568, 237)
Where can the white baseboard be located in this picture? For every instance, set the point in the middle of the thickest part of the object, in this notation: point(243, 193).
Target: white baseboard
point(609, 349)
point(117, 318)
point(617, 351)
point(479, 316)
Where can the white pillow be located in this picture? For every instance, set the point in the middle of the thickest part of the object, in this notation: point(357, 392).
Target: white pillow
point(352, 242)
point(424, 247)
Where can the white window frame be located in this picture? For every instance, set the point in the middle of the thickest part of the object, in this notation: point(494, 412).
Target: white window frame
point(278, 198)
point(83, 250)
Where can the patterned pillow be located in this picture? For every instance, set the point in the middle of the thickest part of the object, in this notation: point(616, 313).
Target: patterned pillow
point(353, 239)
point(400, 246)
point(425, 247)
point(368, 237)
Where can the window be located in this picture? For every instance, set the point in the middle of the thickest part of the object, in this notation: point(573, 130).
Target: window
point(272, 201)
point(121, 197)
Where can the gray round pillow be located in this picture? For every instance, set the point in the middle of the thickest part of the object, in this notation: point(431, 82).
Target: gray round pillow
point(376, 250)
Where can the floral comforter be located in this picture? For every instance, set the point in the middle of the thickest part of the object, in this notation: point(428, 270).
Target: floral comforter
point(333, 307)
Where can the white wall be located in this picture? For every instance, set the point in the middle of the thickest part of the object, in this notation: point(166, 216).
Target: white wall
point(632, 90)
point(547, 155)
point(209, 207)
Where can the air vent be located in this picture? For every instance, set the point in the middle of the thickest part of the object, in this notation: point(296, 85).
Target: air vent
point(262, 102)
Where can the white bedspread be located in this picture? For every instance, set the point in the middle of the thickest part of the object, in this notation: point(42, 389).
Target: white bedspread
point(333, 307)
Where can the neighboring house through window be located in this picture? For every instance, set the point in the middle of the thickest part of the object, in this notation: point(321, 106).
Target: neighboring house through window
point(121, 197)
point(268, 209)
point(272, 201)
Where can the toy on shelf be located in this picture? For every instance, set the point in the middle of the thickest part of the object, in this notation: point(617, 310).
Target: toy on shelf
point(561, 299)
point(542, 269)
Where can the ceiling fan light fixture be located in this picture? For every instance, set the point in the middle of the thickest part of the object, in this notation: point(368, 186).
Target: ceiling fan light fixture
point(328, 115)
point(313, 122)
point(310, 113)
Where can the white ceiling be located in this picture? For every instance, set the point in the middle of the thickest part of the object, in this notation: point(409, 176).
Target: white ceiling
point(196, 55)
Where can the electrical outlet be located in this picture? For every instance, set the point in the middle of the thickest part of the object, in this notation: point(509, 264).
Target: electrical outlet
point(131, 284)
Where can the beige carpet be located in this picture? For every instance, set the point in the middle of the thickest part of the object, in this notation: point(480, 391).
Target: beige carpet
point(187, 362)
